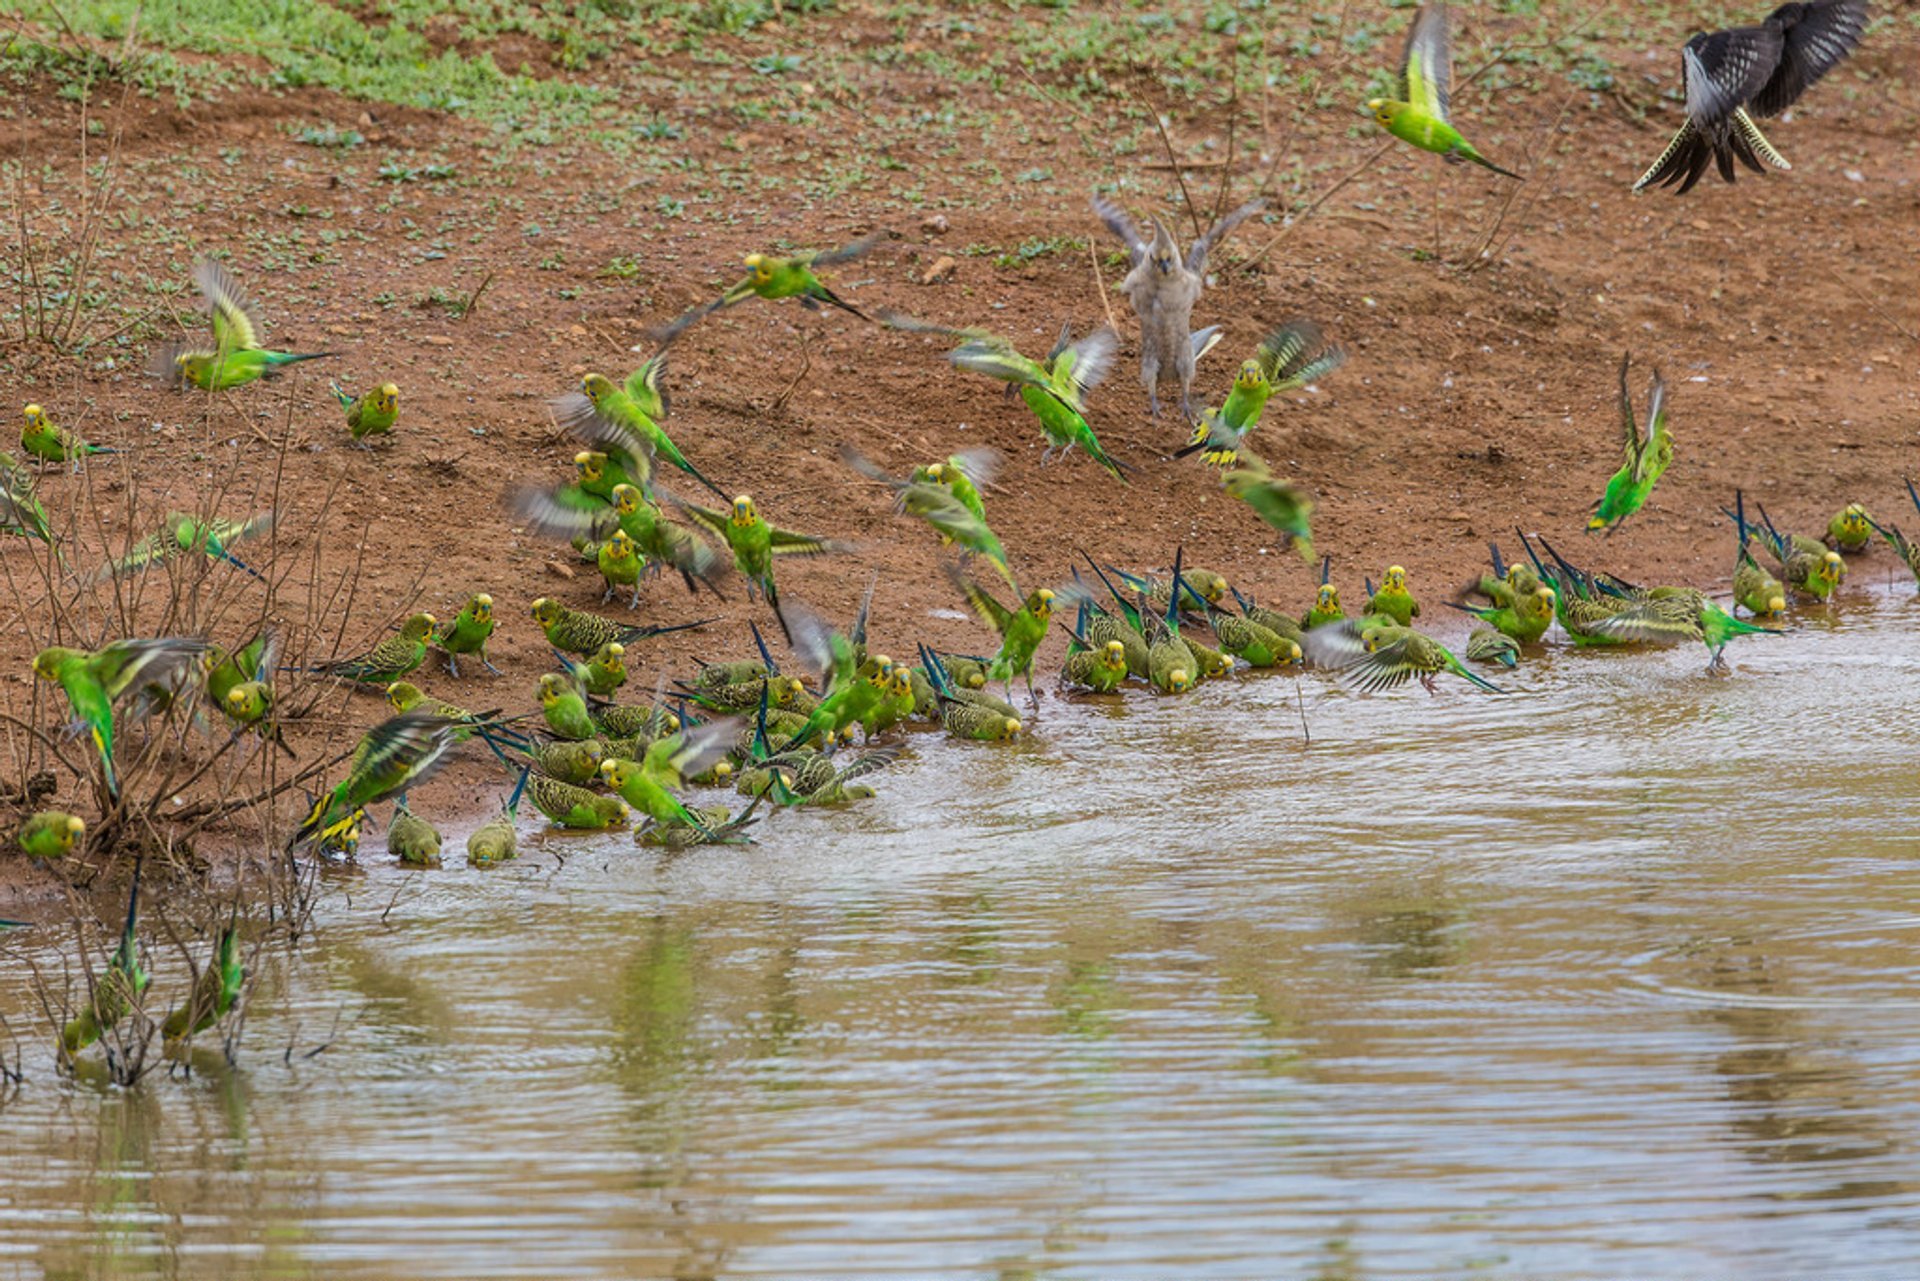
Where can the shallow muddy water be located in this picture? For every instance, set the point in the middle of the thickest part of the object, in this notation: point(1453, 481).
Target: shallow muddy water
point(1610, 977)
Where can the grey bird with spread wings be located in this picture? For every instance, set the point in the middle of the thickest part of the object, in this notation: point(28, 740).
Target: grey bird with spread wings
point(1732, 76)
point(1163, 287)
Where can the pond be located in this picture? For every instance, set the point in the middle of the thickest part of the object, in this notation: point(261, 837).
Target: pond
point(1612, 976)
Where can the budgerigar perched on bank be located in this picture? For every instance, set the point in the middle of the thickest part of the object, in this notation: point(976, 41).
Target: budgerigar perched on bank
point(468, 633)
point(52, 443)
point(372, 413)
point(388, 660)
point(51, 834)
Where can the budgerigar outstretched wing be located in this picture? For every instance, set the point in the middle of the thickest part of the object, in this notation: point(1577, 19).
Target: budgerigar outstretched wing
point(234, 326)
point(129, 665)
point(1651, 624)
point(550, 514)
point(1426, 67)
point(996, 358)
point(1077, 368)
point(643, 385)
point(1645, 459)
point(991, 611)
point(1296, 354)
point(849, 252)
point(787, 542)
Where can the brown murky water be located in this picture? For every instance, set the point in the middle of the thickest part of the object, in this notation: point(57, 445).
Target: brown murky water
point(1611, 977)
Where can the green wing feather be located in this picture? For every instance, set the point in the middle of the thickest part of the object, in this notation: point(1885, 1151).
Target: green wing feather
point(234, 326)
point(1427, 67)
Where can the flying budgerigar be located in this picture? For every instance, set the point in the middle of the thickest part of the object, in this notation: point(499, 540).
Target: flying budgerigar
point(394, 756)
point(922, 494)
point(1055, 389)
point(95, 681)
point(1734, 75)
point(756, 544)
point(181, 533)
point(236, 356)
point(1420, 115)
point(1292, 356)
point(602, 411)
point(774, 278)
point(1647, 456)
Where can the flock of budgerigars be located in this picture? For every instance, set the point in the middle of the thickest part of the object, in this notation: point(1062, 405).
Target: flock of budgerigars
point(589, 761)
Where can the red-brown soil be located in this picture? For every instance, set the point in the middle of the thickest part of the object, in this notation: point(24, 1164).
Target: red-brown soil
point(1782, 311)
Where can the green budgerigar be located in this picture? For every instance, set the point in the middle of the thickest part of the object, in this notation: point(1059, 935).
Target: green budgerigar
point(236, 356)
point(648, 785)
point(576, 807)
point(1490, 645)
point(1683, 616)
point(95, 681)
point(755, 543)
point(1850, 530)
point(214, 992)
point(620, 564)
point(118, 989)
point(1393, 600)
point(1020, 629)
point(564, 705)
point(370, 414)
point(578, 632)
point(1055, 388)
point(624, 416)
point(792, 277)
point(924, 495)
point(1294, 355)
point(1090, 665)
point(1420, 115)
point(1374, 657)
point(181, 534)
point(21, 512)
point(52, 443)
point(1908, 551)
point(392, 756)
point(1647, 455)
point(468, 633)
point(1806, 564)
point(1326, 600)
point(387, 661)
point(497, 840)
point(977, 722)
point(51, 834)
point(1281, 503)
point(413, 840)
